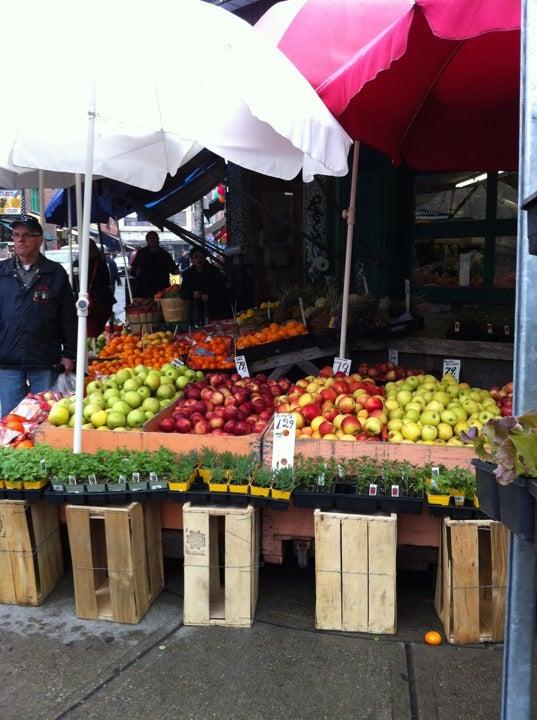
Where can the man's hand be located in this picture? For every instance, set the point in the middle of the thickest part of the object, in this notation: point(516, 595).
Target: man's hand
point(204, 297)
point(67, 364)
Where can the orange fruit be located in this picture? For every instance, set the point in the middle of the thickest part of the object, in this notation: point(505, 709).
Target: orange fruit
point(433, 638)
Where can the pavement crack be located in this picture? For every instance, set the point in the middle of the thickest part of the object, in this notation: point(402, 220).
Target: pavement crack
point(412, 691)
point(115, 673)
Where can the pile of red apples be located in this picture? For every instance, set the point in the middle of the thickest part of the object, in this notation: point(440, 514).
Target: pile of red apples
point(504, 398)
point(223, 404)
point(335, 407)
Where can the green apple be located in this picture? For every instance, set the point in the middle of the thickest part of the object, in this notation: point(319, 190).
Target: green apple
point(148, 414)
point(71, 422)
point(170, 372)
point(477, 424)
point(121, 376)
point(411, 431)
point(115, 419)
point(190, 374)
point(485, 415)
point(199, 375)
point(404, 397)
point(455, 442)
point(449, 417)
point(140, 369)
point(165, 380)
point(414, 405)
point(164, 403)
point(97, 399)
point(89, 410)
point(121, 406)
point(391, 404)
point(111, 392)
point(64, 402)
point(411, 415)
point(98, 419)
point(151, 404)
point(181, 382)
point(94, 386)
point(475, 395)
point(133, 398)
point(412, 381)
point(136, 418)
point(460, 427)
point(110, 384)
point(444, 431)
point(442, 398)
point(396, 424)
point(165, 392)
point(120, 429)
point(430, 417)
point(435, 406)
point(58, 415)
point(452, 391)
point(87, 426)
point(131, 384)
point(394, 436)
point(470, 406)
point(460, 412)
point(389, 387)
point(144, 391)
point(102, 427)
point(429, 432)
point(396, 414)
point(152, 380)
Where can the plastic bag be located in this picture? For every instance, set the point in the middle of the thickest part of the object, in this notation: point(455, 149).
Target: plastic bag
point(66, 383)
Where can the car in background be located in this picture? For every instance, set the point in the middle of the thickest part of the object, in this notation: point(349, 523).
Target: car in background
point(120, 262)
point(62, 256)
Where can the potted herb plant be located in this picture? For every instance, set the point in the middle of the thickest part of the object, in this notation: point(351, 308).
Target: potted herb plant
point(218, 482)
point(282, 484)
point(506, 472)
point(313, 483)
point(20, 469)
point(241, 472)
point(183, 474)
point(401, 488)
point(207, 460)
point(260, 483)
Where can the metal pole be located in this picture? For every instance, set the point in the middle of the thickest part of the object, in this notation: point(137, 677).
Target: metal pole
point(350, 213)
point(125, 265)
point(83, 258)
point(517, 695)
point(70, 233)
point(41, 174)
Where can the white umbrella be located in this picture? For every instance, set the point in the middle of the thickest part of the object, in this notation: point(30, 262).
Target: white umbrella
point(178, 76)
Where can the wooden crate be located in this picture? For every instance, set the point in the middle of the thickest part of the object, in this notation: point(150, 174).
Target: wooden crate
point(355, 572)
point(117, 560)
point(208, 601)
point(471, 580)
point(31, 561)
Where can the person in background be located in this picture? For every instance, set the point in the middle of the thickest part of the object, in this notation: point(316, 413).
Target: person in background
point(152, 267)
point(113, 273)
point(101, 298)
point(206, 287)
point(38, 323)
point(184, 262)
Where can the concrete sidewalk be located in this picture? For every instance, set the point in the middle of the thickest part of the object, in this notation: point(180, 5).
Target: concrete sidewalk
point(57, 666)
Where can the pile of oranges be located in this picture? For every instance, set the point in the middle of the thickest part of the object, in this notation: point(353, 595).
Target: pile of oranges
point(127, 351)
point(210, 352)
point(272, 333)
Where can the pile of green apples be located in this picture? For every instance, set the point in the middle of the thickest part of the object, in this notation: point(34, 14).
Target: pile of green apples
point(423, 410)
point(127, 399)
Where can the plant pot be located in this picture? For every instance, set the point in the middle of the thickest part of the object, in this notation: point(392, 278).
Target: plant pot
point(217, 487)
point(356, 503)
point(239, 489)
point(257, 491)
point(280, 505)
point(117, 493)
point(158, 490)
point(229, 475)
point(311, 499)
point(281, 494)
point(35, 484)
point(205, 474)
point(404, 504)
point(464, 512)
point(14, 490)
point(54, 497)
point(260, 502)
point(442, 500)
point(96, 493)
point(517, 508)
point(75, 494)
point(180, 486)
point(459, 498)
point(238, 499)
point(487, 489)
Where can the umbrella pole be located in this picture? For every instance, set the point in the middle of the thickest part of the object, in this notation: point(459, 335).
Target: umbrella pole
point(79, 213)
point(349, 214)
point(70, 234)
point(42, 205)
point(82, 303)
point(127, 278)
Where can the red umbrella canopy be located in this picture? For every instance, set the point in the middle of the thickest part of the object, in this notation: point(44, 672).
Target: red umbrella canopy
point(433, 82)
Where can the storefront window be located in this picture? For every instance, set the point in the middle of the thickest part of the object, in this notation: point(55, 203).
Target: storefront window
point(507, 199)
point(449, 262)
point(505, 262)
point(451, 196)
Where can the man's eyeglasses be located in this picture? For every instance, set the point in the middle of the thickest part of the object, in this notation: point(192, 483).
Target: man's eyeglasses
point(24, 236)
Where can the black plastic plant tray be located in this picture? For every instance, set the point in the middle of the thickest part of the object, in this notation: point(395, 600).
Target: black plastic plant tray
point(197, 497)
point(487, 489)
point(403, 505)
point(356, 503)
point(307, 499)
point(517, 508)
point(259, 501)
point(280, 505)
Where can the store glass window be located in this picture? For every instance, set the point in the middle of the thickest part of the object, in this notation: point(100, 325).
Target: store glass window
point(442, 197)
point(449, 262)
point(507, 197)
point(505, 261)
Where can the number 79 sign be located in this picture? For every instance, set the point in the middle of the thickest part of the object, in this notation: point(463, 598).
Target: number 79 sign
point(452, 367)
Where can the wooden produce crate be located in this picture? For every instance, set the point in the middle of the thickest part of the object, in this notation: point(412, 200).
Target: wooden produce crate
point(31, 561)
point(355, 581)
point(117, 560)
point(208, 601)
point(471, 580)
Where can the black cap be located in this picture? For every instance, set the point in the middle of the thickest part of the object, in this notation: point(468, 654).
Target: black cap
point(30, 223)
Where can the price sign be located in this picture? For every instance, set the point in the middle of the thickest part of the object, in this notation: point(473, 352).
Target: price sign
point(373, 488)
point(341, 365)
point(393, 357)
point(506, 329)
point(489, 328)
point(395, 491)
point(452, 367)
point(177, 363)
point(242, 366)
point(283, 450)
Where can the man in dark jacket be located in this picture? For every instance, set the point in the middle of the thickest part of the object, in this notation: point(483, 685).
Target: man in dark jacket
point(206, 287)
point(38, 321)
point(152, 267)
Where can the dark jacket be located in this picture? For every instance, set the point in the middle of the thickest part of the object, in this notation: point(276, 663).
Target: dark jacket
point(152, 271)
point(38, 326)
point(209, 282)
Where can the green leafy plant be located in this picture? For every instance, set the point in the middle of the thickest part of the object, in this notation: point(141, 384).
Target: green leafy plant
point(183, 468)
point(282, 479)
point(262, 477)
point(242, 467)
point(366, 475)
point(219, 475)
point(208, 458)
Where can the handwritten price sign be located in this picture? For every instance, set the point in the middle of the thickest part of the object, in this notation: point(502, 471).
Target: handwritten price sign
point(283, 450)
point(452, 367)
point(393, 356)
point(341, 365)
point(242, 366)
point(177, 363)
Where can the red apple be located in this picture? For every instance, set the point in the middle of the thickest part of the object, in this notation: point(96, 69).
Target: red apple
point(310, 411)
point(242, 428)
point(345, 405)
point(216, 422)
point(326, 428)
point(166, 425)
point(351, 425)
point(206, 393)
point(229, 427)
point(341, 387)
point(259, 426)
point(192, 392)
point(216, 398)
point(326, 372)
point(328, 394)
point(183, 425)
point(374, 403)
